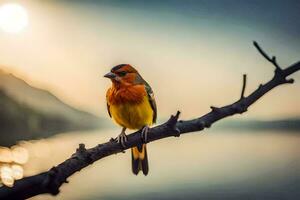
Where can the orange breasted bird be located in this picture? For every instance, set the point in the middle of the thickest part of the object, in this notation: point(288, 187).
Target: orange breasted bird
point(131, 104)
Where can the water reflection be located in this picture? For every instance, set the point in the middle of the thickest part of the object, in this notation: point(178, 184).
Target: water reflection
point(11, 161)
point(211, 165)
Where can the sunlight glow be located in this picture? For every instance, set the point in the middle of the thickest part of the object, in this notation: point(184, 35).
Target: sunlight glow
point(13, 18)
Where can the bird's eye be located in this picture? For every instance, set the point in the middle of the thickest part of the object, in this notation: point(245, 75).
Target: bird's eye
point(122, 73)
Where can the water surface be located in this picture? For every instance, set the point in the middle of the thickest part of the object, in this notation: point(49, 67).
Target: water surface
point(208, 165)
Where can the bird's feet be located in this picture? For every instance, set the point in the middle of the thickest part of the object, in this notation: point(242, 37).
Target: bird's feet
point(145, 131)
point(122, 138)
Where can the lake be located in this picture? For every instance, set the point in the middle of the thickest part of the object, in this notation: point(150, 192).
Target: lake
point(208, 165)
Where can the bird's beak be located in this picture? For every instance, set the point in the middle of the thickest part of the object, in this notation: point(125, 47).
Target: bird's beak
point(110, 75)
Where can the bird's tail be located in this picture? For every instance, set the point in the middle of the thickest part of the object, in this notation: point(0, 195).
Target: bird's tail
point(139, 159)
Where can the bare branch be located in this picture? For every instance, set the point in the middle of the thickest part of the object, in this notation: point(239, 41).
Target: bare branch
point(262, 52)
point(50, 181)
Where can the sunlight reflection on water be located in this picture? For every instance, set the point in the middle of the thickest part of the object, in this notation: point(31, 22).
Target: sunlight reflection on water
point(202, 162)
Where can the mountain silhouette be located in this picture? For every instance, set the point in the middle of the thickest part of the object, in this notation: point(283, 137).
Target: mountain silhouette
point(27, 112)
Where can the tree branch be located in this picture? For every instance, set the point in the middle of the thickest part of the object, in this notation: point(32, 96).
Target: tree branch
point(50, 181)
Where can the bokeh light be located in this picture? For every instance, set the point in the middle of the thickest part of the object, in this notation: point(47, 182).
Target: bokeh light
point(19, 154)
point(5, 155)
point(6, 174)
point(11, 164)
point(17, 171)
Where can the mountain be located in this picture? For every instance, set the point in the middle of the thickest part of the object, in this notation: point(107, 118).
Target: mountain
point(27, 112)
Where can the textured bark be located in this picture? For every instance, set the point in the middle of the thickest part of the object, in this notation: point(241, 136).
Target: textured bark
point(50, 181)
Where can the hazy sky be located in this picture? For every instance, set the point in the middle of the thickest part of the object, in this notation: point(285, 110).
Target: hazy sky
point(193, 53)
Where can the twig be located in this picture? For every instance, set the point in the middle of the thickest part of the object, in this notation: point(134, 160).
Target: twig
point(244, 86)
point(50, 181)
point(262, 52)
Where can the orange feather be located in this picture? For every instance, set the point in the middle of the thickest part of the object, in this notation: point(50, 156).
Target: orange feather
point(126, 94)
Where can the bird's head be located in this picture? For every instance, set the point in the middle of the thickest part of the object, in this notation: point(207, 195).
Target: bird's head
point(123, 74)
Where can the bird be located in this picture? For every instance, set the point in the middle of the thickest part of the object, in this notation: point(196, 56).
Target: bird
point(131, 104)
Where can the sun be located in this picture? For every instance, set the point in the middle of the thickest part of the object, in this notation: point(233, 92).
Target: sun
point(13, 18)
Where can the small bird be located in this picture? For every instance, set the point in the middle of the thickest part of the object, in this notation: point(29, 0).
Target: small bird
point(131, 104)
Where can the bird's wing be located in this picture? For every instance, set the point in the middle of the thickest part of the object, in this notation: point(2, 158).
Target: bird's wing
point(139, 80)
point(108, 109)
point(151, 100)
